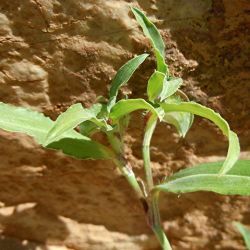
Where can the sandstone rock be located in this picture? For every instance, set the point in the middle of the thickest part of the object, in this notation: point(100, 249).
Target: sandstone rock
point(55, 53)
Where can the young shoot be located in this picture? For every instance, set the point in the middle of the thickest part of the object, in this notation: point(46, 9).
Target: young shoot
point(166, 103)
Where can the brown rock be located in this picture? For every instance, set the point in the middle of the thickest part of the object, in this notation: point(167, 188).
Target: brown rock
point(55, 53)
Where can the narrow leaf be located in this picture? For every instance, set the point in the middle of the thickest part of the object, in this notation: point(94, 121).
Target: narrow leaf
point(182, 121)
point(197, 109)
point(72, 117)
point(18, 119)
point(240, 168)
point(96, 109)
point(88, 128)
point(124, 107)
point(68, 120)
point(36, 125)
point(122, 76)
point(155, 85)
point(81, 148)
point(159, 87)
point(153, 34)
point(170, 87)
point(244, 232)
point(225, 184)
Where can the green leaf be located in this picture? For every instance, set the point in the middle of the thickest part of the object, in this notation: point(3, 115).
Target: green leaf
point(68, 120)
point(204, 177)
point(170, 87)
point(244, 232)
point(159, 87)
point(95, 109)
point(98, 122)
point(36, 125)
point(88, 128)
point(225, 184)
point(18, 119)
point(182, 121)
point(72, 117)
point(122, 76)
point(123, 124)
point(153, 34)
point(99, 119)
point(197, 109)
point(240, 168)
point(155, 85)
point(124, 107)
point(81, 148)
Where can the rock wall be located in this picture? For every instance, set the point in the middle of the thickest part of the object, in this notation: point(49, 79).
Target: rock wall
point(55, 53)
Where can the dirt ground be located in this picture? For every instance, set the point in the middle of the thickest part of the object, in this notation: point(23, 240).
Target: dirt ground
point(55, 53)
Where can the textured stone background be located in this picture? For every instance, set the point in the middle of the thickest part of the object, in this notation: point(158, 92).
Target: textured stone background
point(55, 53)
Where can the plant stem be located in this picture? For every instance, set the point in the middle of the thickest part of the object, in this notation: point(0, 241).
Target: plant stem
point(153, 212)
point(124, 167)
point(149, 130)
point(155, 222)
point(130, 177)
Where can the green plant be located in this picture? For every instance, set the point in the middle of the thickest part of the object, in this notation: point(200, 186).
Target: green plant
point(244, 232)
point(166, 103)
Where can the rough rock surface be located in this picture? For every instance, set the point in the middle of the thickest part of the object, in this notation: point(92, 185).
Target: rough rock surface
point(55, 53)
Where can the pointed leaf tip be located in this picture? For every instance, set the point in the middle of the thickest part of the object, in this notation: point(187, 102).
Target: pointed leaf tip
point(36, 125)
point(198, 109)
point(68, 120)
point(122, 77)
point(152, 33)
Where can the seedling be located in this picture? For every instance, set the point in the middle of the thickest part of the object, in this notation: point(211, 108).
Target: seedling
point(165, 103)
point(244, 232)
